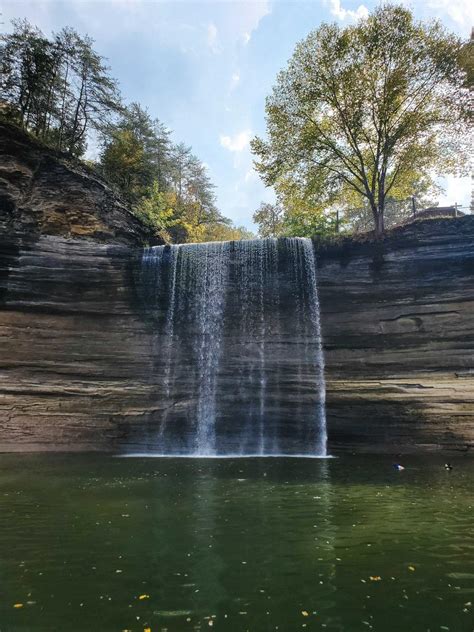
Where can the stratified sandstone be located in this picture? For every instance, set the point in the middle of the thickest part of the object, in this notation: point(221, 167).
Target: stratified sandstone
point(43, 193)
point(81, 363)
point(398, 322)
point(75, 354)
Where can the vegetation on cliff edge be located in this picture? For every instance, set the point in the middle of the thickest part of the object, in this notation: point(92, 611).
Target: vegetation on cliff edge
point(60, 90)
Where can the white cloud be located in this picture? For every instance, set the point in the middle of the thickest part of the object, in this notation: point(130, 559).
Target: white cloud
point(342, 14)
point(234, 81)
point(460, 12)
point(456, 191)
point(212, 38)
point(249, 16)
point(238, 142)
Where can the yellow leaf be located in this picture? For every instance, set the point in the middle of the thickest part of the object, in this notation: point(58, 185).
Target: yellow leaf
point(147, 630)
point(411, 568)
point(18, 605)
point(375, 578)
point(305, 613)
point(144, 597)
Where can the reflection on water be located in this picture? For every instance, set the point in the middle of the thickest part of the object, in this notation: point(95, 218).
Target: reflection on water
point(97, 543)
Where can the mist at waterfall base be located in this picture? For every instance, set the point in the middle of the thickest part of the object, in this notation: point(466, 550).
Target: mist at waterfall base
point(239, 367)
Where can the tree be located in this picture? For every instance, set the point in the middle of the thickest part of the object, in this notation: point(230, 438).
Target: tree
point(156, 210)
point(226, 232)
point(421, 193)
point(135, 153)
point(96, 96)
point(59, 90)
point(26, 70)
point(361, 108)
point(123, 163)
point(196, 207)
point(269, 219)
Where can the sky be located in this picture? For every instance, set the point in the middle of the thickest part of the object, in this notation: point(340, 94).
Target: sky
point(204, 68)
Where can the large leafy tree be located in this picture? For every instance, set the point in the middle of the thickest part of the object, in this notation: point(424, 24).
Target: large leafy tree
point(365, 109)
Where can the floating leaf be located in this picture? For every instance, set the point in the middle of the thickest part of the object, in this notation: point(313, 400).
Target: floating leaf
point(305, 613)
point(375, 578)
point(18, 605)
point(411, 568)
point(144, 597)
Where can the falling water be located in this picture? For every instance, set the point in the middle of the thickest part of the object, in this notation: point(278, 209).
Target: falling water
point(239, 361)
point(315, 334)
point(209, 266)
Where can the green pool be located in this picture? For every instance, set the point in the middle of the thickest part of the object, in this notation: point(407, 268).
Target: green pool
point(96, 543)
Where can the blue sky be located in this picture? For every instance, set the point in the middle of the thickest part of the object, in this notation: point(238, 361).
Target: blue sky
point(204, 68)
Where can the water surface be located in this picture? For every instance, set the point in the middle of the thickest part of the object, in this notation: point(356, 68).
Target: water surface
point(90, 542)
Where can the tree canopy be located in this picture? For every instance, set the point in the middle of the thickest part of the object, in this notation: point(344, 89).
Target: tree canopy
point(363, 114)
point(61, 91)
point(58, 89)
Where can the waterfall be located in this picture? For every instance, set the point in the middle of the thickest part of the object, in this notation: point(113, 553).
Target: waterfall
point(239, 363)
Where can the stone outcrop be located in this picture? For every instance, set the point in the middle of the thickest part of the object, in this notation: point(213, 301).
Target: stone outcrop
point(43, 193)
point(81, 363)
point(398, 323)
point(79, 360)
point(75, 353)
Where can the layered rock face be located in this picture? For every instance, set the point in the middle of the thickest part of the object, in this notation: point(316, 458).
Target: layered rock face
point(84, 364)
point(41, 193)
point(81, 363)
point(398, 325)
point(75, 355)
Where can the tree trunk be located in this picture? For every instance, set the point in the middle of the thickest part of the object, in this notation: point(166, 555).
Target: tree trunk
point(379, 223)
point(75, 123)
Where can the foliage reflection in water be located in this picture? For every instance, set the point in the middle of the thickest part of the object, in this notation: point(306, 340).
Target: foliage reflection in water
point(348, 544)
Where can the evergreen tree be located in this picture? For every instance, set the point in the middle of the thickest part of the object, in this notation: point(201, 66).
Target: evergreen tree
point(136, 153)
point(59, 90)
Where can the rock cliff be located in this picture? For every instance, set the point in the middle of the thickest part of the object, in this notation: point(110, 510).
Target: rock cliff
point(80, 362)
point(398, 323)
point(43, 193)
